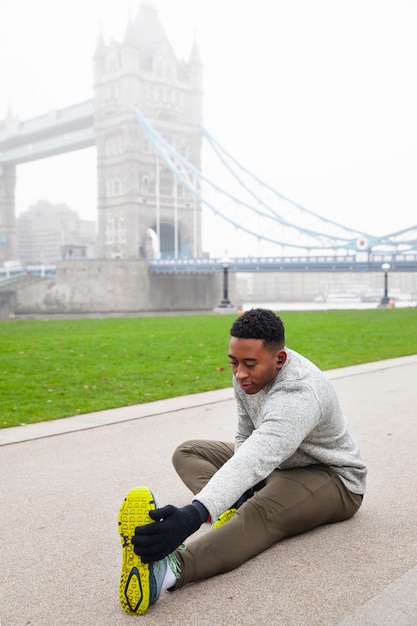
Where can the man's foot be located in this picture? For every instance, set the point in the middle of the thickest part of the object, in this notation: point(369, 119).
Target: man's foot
point(228, 513)
point(224, 517)
point(140, 583)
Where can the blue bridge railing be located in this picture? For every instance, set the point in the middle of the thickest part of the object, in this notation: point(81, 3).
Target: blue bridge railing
point(325, 263)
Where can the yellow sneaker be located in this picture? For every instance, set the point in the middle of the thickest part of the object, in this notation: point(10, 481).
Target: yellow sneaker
point(136, 577)
point(223, 518)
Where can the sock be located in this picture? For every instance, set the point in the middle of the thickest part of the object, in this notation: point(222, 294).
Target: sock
point(169, 580)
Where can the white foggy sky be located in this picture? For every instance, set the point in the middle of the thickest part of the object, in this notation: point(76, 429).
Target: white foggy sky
point(317, 97)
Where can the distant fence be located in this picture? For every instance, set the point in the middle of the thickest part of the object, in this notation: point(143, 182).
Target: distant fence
point(324, 263)
point(9, 273)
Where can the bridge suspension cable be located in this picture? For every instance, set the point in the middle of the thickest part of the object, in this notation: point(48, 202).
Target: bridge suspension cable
point(254, 207)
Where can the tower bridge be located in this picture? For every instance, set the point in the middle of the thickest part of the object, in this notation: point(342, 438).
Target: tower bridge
point(145, 121)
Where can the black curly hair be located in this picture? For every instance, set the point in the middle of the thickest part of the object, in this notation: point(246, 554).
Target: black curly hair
point(260, 324)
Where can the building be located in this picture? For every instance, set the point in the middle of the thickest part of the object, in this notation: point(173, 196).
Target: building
point(49, 232)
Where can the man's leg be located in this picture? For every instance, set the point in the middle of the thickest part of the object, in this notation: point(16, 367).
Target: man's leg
point(197, 460)
point(291, 502)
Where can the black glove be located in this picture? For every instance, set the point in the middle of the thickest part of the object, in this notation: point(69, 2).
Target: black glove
point(153, 542)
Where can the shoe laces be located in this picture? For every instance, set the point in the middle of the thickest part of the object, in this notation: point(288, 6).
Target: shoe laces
point(173, 562)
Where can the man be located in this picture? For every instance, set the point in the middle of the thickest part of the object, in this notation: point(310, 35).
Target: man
point(293, 467)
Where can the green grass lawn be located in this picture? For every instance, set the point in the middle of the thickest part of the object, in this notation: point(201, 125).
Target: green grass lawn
point(56, 368)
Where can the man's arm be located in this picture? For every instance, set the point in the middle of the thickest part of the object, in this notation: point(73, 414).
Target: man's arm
point(285, 423)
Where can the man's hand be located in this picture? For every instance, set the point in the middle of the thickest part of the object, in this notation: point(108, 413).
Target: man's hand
point(172, 526)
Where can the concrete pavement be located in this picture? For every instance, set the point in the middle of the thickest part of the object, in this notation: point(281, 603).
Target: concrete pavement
point(62, 483)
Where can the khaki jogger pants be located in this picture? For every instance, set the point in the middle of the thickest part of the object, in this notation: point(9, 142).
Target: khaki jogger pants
point(290, 502)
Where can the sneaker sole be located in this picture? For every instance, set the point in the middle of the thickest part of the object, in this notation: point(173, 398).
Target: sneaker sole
point(134, 587)
point(223, 518)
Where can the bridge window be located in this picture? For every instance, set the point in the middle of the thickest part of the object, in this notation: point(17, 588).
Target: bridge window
point(115, 229)
point(183, 147)
point(169, 72)
point(111, 92)
point(145, 183)
point(114, 145)
point(165, 185)
point(115, 187)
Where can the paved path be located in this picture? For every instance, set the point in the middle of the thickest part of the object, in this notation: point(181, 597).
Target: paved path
point(62, 483)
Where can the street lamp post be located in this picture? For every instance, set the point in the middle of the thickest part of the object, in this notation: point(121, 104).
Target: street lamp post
point(385, 267)
point(225, 303)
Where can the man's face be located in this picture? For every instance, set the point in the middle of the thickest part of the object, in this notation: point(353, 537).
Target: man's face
point(253, 365)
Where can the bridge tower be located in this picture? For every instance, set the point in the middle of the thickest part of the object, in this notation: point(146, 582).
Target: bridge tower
point(142, 211)
point(7, 202)
point(7, 213)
